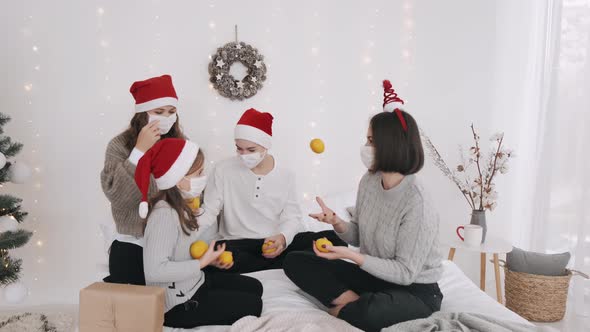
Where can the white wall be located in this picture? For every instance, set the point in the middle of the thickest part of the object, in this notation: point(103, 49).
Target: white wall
point(325, 63)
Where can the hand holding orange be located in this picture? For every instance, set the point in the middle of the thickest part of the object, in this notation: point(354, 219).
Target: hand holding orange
point(198, 249)
point(321, 244)
point(266, 249)
point(226, 257)
point(194, 203)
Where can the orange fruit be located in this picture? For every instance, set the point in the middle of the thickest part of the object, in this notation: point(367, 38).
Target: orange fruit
point(194, 203)
point(321, 244)
point(226, 257)
point(198, 249)
point(266, 249)
point(317, 145)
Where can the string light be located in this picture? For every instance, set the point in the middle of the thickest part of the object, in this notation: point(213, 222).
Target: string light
point(406, 53)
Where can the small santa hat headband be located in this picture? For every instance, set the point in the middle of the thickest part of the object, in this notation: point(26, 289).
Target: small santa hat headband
point(392, 103)
point(255, 126)
point(153, 93)
point(168, 160)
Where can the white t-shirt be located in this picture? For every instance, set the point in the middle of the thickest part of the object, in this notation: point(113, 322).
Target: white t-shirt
point(254, 206)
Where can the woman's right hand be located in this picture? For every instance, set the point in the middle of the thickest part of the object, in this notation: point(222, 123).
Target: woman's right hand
point(148, 136)
point(211, 254)
point(328, 216)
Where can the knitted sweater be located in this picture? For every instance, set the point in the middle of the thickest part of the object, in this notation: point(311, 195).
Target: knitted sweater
point(118, 183)
point(397, 230)
point(166, 256)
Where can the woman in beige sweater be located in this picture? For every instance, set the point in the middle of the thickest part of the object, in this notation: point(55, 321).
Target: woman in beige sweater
point(155, 118)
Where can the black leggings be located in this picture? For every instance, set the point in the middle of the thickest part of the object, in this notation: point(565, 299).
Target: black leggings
point(248, 257)
point(125, 264)
point(381, 303)
point(221, 300)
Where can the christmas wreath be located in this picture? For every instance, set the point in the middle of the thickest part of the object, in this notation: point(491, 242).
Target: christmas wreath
point(225, 83)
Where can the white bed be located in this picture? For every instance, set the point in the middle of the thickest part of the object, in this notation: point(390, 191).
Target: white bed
point(460, 295)
point(280, 294)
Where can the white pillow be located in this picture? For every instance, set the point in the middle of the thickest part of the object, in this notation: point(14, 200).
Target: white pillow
point(338, 202)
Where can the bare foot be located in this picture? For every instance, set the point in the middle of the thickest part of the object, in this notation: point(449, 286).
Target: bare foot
point(342, 300)
point(334, 311)
point(345, 298)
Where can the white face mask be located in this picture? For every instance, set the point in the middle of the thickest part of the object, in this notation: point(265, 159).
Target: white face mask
point(197, 185)
point(166, 122)
point(368, 155)
point(252, 160)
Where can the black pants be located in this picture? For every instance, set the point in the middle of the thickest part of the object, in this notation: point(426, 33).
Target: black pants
point(248, 257)
point(125, 264)
point(381, 303)
point(221, 300)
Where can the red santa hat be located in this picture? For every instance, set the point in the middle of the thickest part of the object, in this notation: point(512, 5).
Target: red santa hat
point(255, 126)
point(168, 160)
point(392, 103)
point(153, 93)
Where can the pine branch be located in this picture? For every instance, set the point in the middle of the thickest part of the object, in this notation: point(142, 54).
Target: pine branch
point(20, 216)
point(8, 147)
point(10, 273)
point(4, 173)
point(10, 205)
point(3, 121)
point(11, 240)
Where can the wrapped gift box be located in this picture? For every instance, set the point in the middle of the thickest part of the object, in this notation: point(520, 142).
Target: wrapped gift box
point(107, 307)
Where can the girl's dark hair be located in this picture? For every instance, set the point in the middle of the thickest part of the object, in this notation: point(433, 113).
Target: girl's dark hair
point(188, 219)
point(396, 150)
point(139, 120)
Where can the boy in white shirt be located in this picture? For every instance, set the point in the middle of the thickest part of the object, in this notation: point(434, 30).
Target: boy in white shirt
point(258, 200)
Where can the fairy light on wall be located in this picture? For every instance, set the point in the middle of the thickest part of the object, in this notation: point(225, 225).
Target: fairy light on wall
point(407, 41)
point(315, 127)
point(104, 44)
point(155, 55)
point(30, 88)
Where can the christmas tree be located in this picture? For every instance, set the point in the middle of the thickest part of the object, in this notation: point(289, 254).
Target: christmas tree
point(10, 211)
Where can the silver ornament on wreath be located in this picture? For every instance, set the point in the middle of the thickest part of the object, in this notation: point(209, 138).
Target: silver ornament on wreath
point(227, 85)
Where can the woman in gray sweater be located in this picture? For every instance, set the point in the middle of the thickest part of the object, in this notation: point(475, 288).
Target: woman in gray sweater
point(393, 278)
point(193, 297)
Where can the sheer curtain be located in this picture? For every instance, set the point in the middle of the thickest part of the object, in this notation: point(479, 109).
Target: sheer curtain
point(560, 205)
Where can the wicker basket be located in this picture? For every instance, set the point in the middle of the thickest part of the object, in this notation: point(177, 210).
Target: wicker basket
point(535, 297)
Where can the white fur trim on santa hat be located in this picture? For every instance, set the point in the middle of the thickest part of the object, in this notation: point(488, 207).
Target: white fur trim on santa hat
point(180, 167)
point(143, 210)
point(155, 103)
point(253, 134)
point(392, 106)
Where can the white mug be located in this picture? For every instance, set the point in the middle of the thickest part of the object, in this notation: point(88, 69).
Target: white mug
point(472, 235)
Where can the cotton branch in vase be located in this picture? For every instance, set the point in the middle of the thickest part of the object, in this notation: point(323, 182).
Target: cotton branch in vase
point(475, 176)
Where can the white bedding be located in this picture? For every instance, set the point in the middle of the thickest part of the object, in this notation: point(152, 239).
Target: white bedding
point(460, 295)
